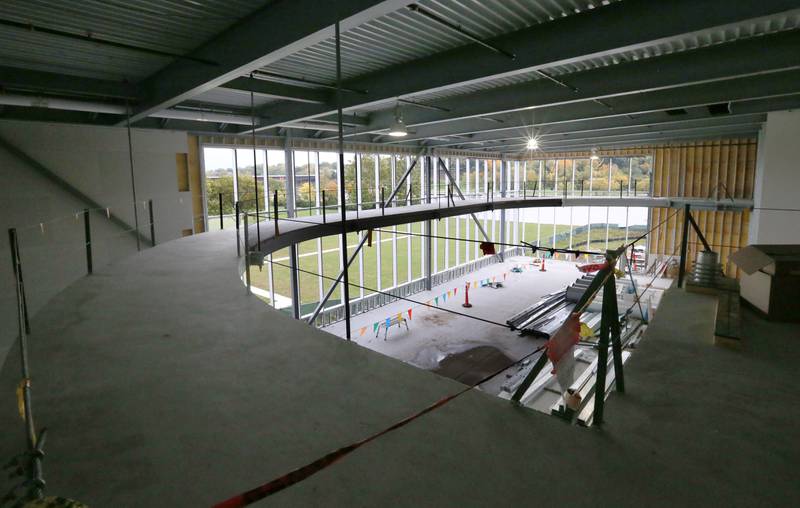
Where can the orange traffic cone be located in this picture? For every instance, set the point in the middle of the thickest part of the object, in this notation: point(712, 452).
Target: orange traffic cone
point(542, 269)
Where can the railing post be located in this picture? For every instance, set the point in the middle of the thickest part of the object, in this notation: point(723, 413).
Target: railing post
point(634, 187)
point(247, 252)
point(620, 188)
point(323, 207)
point(236, 209)
point(13, 242)
point(684, 244)
point(87, 230)
point(275, 209)
point(152, 223)
point(221, 226)
point(34, 444)
point(383, 203)
point(535, 187)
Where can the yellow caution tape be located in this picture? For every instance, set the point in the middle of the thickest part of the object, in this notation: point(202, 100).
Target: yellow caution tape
point(586, 331)
point(21, 397)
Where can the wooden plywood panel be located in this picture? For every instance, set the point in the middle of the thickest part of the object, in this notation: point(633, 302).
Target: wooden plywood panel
point(182, 171)
point(195, 184)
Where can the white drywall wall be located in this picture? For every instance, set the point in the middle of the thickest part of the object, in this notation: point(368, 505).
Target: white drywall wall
point(95, 161)
point(777, 181)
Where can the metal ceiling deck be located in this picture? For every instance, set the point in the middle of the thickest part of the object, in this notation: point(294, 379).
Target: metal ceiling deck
point(175, 26)
point(405, 35)
point(721, 35)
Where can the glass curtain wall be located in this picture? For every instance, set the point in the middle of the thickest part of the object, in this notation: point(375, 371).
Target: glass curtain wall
point(396, 255)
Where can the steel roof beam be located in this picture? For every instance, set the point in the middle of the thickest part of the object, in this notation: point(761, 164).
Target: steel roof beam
point(273, 32)
point(624, 125)
point(278, 90)
point(600, 140)
point(603, 31)
point(714, 63)
point(50, 82)
point(520, 123)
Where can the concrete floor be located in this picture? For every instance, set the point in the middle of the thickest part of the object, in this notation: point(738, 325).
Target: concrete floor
point(163, 384)
point(434, 334)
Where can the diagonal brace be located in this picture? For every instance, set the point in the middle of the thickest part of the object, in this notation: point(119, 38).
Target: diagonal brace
point(699, 233)
point(403, 178)
point(458, 191)
point(338, 279)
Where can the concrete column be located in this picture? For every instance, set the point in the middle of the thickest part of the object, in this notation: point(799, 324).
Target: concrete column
point(776, 184)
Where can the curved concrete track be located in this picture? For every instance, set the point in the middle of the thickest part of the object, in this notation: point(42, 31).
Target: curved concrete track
point(164, 384)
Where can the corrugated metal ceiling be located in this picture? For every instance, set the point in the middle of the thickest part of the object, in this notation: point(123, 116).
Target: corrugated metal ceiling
point(721, 35)
point(175, 26)
point(405, 35)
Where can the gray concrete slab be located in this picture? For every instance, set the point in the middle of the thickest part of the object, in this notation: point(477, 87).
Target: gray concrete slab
point(164, 384)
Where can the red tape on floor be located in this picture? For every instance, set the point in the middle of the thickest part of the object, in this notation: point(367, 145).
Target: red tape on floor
point(300, 474)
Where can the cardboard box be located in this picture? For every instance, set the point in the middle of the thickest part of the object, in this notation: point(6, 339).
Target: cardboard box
point(771, 279)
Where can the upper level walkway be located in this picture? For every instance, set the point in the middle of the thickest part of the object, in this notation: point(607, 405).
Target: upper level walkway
point(299, 229)
point(163, 383)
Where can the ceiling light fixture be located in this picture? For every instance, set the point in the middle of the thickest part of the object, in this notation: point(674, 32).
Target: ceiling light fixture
point(533, 144)
point(398, 128)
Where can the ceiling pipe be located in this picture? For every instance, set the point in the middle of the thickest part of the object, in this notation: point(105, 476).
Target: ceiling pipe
point(34, 101)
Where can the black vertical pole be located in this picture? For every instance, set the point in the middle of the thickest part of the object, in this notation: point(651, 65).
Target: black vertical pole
point(634, 188)
point(581, 187)
point(323, 206)
point(87, 229)
point(220, 212)
point(255, 163)
point(610, 299)
point(620, 189)
point(16, 261)
point(341, 177)
point(133, 177)
point(535, 187)
point(684, 244)
point(236, 211)
point(152, 223)
point(383, 203)
point(275, 208)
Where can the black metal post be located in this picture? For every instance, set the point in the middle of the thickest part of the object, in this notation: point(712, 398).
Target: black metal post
point(535, 187)
point(152, 223)
point(87, 230)
point(340, 117)
point(275, 207)
point(620, 189)
point(323, 207)
point(610, 299)
point(634, 187)
point(36, 482)
point(581, 187)
point(221, 226)
point(16, 261)
point(383, 203)
point(236, 209)
point(684, 245)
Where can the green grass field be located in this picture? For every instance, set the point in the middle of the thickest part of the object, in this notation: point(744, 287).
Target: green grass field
point(447, 252)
